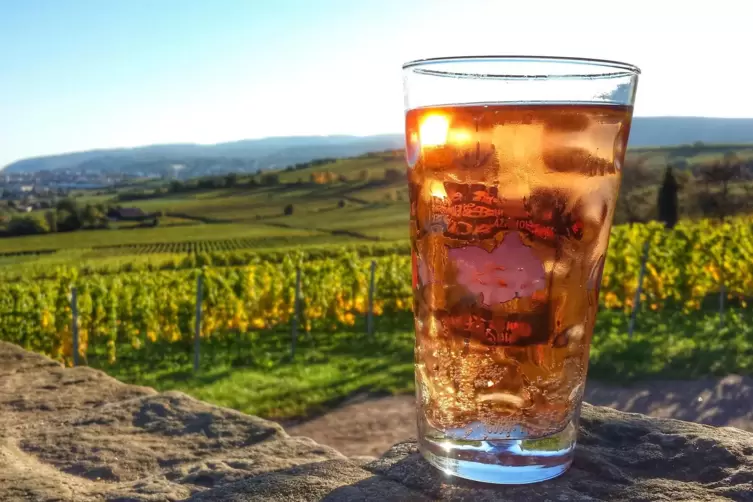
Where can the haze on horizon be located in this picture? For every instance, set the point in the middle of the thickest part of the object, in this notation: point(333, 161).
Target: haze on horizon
point(80, 75)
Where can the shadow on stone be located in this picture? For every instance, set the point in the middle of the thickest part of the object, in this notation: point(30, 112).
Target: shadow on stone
point(712, 401)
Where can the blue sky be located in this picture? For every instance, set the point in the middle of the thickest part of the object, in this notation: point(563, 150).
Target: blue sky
point(83, 74)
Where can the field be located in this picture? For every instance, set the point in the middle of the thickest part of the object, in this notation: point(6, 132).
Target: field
point(359, 204)
point(252, 218)
point(137, 288)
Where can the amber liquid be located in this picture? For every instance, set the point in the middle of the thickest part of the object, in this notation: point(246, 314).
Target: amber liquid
point(511, 208)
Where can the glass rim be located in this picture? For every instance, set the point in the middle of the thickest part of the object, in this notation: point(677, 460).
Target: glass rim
point(618, 68)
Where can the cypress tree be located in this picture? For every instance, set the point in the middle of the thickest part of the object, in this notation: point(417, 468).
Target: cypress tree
point(667, 202)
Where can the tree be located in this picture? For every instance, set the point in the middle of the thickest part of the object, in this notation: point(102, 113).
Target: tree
point(634, 203)
point(67, 204)
point(68, 221)
point(207, 183)
point(270, 179)
point(717, 200)
point(288, 211)
point(231, 180)
point(667, 201)
point(27, 225)
point(325, 177)
point(90, 217)
point(51, 217)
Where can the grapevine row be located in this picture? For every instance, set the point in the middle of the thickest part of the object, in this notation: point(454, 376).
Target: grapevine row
point(200, 246)
point(685, 267)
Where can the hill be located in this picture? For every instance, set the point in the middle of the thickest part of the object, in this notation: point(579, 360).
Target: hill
point(361, 200)
point(270, 153)
point(664, 131)
point(239, 156)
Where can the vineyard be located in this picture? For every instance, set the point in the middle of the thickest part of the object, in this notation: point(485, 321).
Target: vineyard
point(91, 262)
point(198, 246)
point(685, 268)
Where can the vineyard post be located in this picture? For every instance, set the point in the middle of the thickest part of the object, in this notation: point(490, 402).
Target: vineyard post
point(74, 321)
point(197, 327)
point(639, 289)
point(370, 313)
point(296, 302)
point(722, 287)
point(722, 294)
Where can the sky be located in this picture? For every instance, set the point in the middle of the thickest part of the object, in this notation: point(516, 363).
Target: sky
point(84, 74)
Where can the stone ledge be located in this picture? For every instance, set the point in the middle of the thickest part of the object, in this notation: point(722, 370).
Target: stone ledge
point(79, 435)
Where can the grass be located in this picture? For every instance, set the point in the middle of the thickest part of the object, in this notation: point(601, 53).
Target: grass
point(374, 165)
point(255, 373)
point(248, 204)
point(383, 221)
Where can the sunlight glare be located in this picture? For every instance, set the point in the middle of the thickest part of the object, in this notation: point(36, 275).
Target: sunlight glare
point(433, 130)
point(437, 190)
point(460, 136)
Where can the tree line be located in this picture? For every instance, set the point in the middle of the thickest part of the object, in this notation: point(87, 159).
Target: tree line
point(715, 190)
point(67, 215)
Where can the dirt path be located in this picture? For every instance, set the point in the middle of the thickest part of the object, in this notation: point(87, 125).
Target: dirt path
point(369, 426)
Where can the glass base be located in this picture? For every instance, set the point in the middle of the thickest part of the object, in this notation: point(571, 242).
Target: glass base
point(502, 461)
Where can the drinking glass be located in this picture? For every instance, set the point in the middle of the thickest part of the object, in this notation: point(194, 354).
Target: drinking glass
point(513, 169)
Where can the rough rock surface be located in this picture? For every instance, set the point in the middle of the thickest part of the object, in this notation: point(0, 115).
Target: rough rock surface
point(79, 435)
